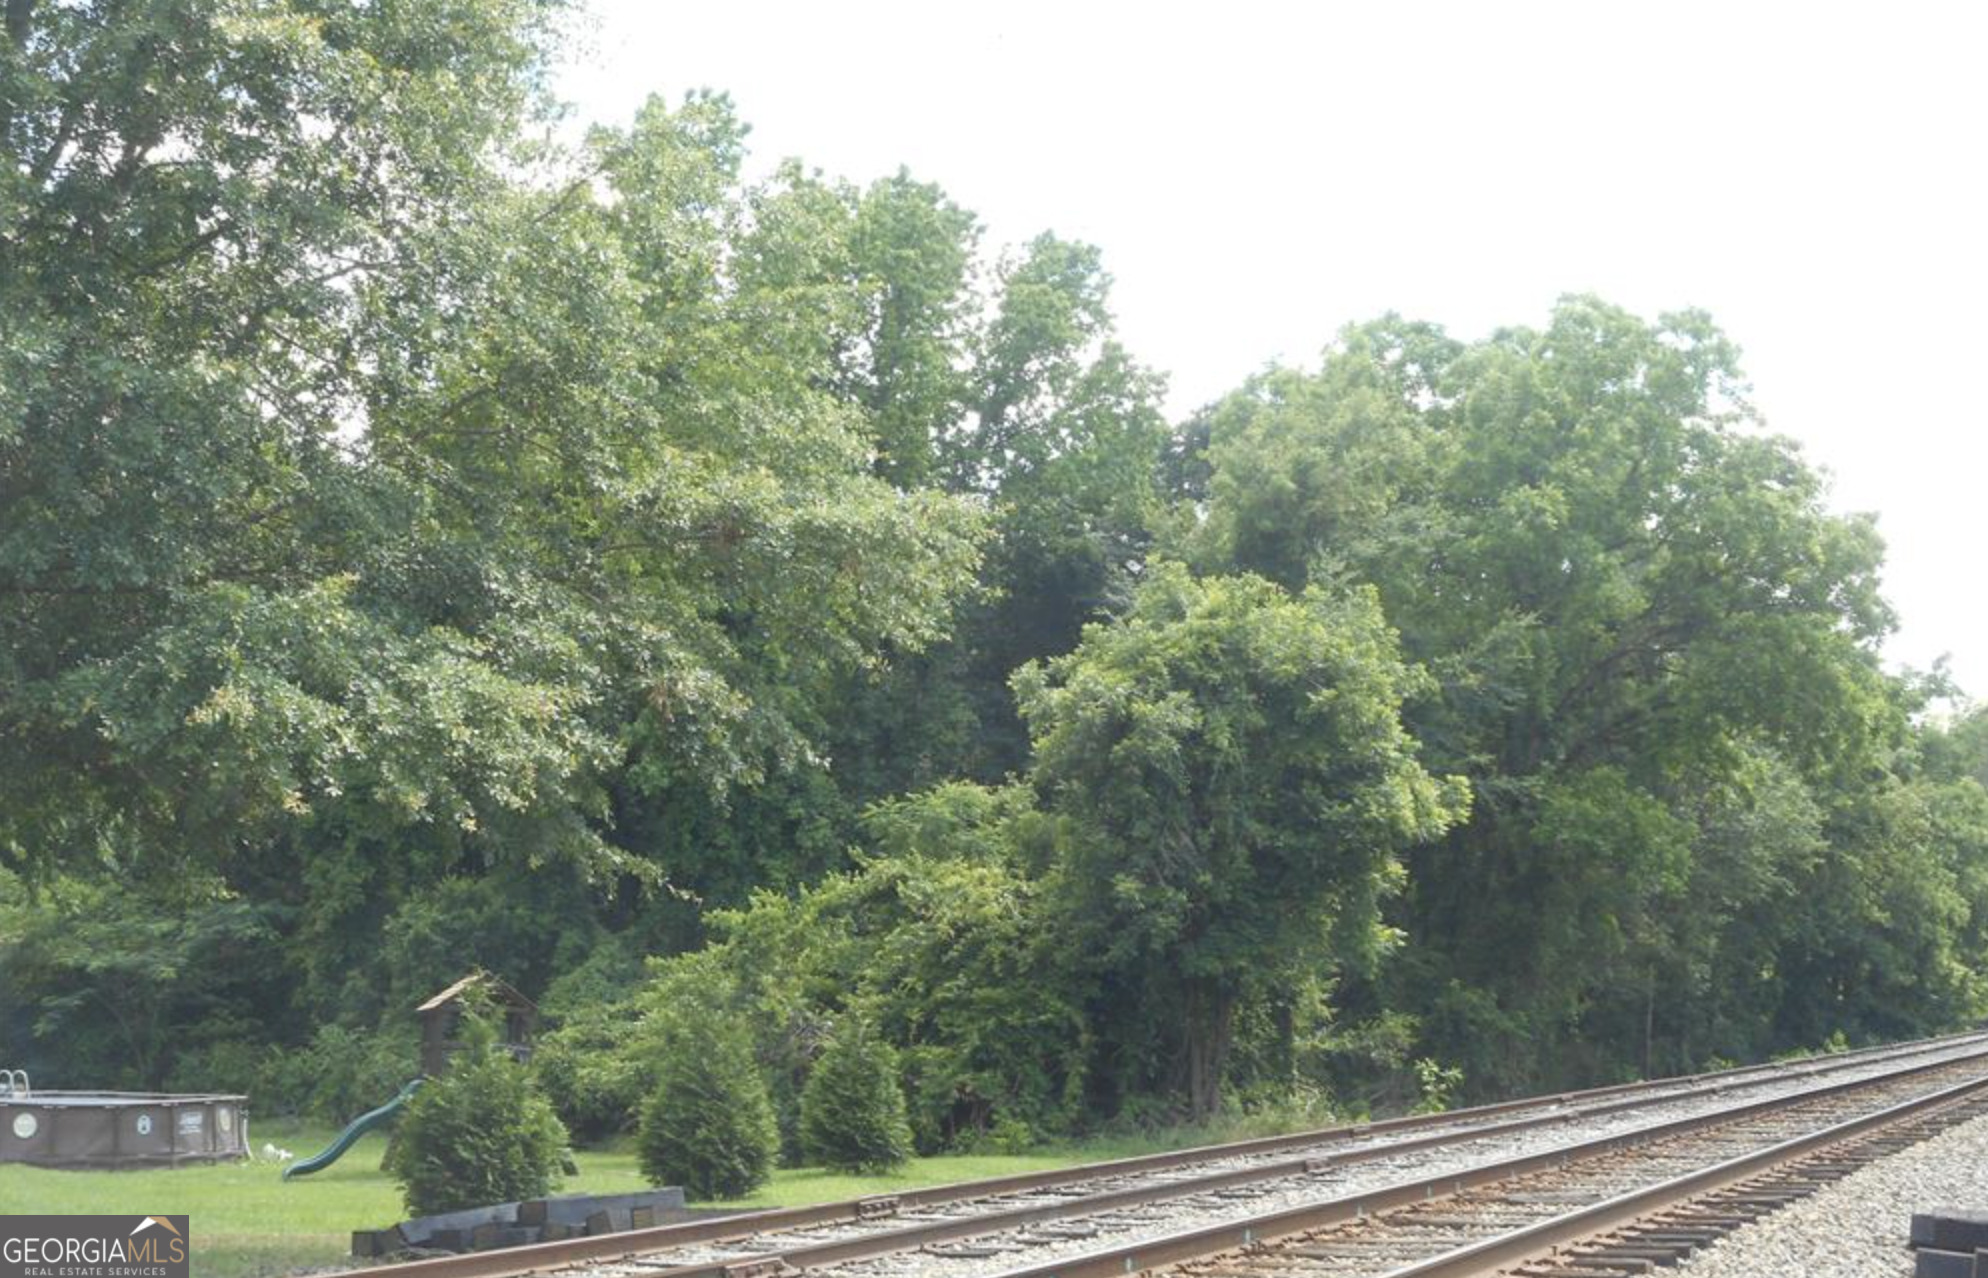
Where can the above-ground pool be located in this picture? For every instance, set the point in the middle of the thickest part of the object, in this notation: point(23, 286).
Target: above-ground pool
point(120, 1129)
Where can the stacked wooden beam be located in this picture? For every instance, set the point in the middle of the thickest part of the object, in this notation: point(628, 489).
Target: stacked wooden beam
point(1950, 1242)
point(535, 1220)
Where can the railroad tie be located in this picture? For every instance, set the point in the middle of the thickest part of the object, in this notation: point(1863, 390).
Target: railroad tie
point(771, 1267)
point(976, 1250)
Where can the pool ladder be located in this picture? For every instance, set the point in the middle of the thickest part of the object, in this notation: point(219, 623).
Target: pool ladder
point(14, 1084)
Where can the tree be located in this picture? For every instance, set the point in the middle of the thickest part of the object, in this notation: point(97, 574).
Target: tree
point(480, 1134)
point(1237, 786)
point(200, 203)
point(941, 939)
point(1956, 746)
point(852, 1109)
point(113, 986)
point(708, 1125)
point(1624, 589)
point(405, 517)
point(391, 502)
point(912, 252)
point(1060, 431)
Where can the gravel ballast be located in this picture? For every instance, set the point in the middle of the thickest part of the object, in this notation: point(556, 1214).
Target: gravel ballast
point(1006, 1249)
point(1858, 1227)
point(1118, 1229)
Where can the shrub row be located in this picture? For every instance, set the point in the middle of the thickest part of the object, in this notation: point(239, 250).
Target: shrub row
point(486, 1131)
point(709, 1124)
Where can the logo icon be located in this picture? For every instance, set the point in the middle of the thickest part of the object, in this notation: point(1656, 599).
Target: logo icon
point(94, 1246)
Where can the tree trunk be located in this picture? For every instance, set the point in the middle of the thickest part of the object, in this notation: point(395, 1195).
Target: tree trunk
point(1650, 1024)
point(1209, 1029)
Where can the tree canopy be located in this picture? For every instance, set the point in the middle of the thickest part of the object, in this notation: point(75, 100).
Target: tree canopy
point(431, 537)
point(1236, 788)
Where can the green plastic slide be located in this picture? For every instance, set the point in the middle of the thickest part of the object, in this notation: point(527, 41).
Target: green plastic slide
point(353, 1131)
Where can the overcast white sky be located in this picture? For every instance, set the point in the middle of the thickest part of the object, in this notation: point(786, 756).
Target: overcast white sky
point(1259, 175)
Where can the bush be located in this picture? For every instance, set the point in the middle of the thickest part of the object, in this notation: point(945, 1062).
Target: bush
point(480, 1134)
point(1439, 1085)
point(590, 1072)
point(345, 1072)
point(234, 1065)
point(340, 1074)
point(852, 1109)
point(1011, 1135)
point(709, 1126)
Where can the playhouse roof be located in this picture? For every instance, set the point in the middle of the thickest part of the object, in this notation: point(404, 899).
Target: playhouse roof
point(503, 992)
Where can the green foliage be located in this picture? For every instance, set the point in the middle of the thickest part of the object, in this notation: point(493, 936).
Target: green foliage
point(198, 196)
point(593, 1073)
point(240, 1064)
point(1439, 1085)
point(1011, 1135)
point(479, 1134)
point(342, 1073)
point(709, 1124)
point(583, 538)
point(1625, 592)
point(524, 924)
point(939, 937)
point(105, 981)
point(1956, 746)
point(852, 1109)
point(424, 543)
point(1235, 784)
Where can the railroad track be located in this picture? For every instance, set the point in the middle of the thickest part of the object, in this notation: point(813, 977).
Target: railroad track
point(1614, 1206)
point(1667, 1223)
point(1112, 1213)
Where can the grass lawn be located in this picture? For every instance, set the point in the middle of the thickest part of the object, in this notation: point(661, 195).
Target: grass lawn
point(247, 1221)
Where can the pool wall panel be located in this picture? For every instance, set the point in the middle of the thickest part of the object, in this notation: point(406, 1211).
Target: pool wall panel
point(52, 1129)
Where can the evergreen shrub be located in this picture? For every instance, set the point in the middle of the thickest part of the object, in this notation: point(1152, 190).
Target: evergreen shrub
point(852, 1109)
point(482, 1133)
point(709, 1124)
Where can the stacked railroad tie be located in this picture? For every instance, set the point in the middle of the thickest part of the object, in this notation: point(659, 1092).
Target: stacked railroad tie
point(1950, 1242)
point(522, 1223)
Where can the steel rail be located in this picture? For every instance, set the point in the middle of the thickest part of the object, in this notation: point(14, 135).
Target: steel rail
point(629, 1244)
point(1539, 1241)
point(1233, 1235)
point(888, 1242)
